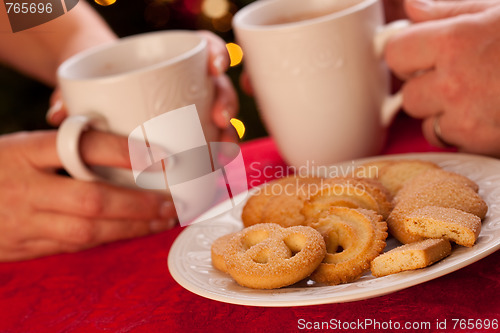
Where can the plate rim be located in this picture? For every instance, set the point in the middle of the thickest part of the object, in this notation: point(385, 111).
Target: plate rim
point(380, 291)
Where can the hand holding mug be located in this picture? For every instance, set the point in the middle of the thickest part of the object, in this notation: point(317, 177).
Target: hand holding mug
point(120, 86)
point(318, 77)
point(450, 61)
point(225, 104)
point(45, 213)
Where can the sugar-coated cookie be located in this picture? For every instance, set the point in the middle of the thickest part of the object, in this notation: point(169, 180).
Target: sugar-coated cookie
point(371, 169)
point(268, 256)
point(353, 238)
point(348, 192)
point(448, 223)
point(284, 195)
point(410, 256)
point(394, 175)
point(430, 177)
point(218, 250)
point(444, 193)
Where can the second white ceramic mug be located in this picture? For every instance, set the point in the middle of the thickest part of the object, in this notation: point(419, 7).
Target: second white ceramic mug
point(320, 82)
point(119, 86)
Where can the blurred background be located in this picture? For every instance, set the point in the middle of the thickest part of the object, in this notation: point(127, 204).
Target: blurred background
point(20, 95)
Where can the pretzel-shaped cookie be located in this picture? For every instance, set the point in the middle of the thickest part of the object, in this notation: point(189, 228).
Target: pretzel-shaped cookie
point(359, 234)
point(218, 251)
point(267, 256)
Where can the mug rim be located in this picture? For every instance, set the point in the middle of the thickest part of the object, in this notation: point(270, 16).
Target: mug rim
point(66, 65)
point(240, 17)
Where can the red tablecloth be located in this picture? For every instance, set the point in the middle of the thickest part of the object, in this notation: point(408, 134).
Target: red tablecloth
point(126, 286)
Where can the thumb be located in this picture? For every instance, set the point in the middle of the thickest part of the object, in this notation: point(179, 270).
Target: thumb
point(427, 10)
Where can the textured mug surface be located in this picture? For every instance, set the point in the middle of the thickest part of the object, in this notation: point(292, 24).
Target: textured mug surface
point(319, 85)
point(135, 79)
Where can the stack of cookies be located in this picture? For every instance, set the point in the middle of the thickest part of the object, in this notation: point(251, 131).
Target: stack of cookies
point(429, 203)
point(421, 205)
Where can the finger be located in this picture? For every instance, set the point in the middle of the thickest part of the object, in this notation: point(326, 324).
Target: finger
point(79, 233)
point(246, 84)
point(486, 141)
point(57, 111)
point(106, 231)
point(420, 99)
point(414, 49)
point(472, 136)
point(104, 149)
point(98, 200)
point(427, 10)
point(225, 105)
point(218, 57)
point(429, 131)
point(39, 149)
point(97, 148)
point(114, 230)
point(35, 248)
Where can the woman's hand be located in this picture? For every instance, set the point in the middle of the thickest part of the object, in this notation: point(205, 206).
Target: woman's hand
point(451, 61)
point(226, 101)
point(43, 213)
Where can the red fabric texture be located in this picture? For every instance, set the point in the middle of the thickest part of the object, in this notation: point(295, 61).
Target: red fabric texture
point(126, 286)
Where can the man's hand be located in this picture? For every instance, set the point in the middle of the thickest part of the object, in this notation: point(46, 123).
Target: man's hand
point(451, 61)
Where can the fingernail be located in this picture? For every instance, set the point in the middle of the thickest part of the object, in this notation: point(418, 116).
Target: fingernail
point(424, 5)
point(55, 114)
point(157, 226)
point(218, 63)
point(167, 209)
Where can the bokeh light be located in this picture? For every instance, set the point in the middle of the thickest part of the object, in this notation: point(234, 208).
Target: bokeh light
point(105, 2)
point(215, 8)
point(239, 126)
point(235, 53)
point(223, 24)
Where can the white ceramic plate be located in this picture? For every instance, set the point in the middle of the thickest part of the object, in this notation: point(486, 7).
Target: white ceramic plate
point(190, 264)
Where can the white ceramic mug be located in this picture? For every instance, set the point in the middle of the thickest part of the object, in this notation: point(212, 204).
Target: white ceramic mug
point(119, 86)
point(319, 79)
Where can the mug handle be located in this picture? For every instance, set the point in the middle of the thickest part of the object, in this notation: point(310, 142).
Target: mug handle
point(68, 144)
point(392, 103)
